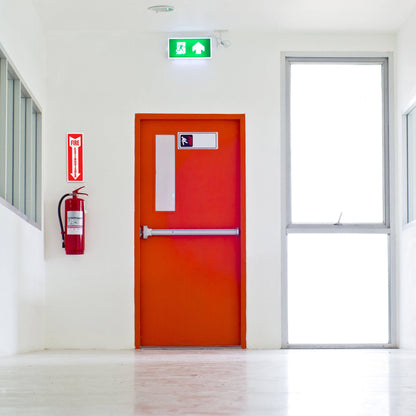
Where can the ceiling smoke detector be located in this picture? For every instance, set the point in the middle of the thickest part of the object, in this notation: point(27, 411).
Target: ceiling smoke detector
point(162, 9)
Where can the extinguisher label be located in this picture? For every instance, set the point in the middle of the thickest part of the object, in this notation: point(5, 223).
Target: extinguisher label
point(75, 222)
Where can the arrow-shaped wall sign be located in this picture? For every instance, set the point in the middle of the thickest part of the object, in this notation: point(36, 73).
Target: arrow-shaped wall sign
point(75, 160)
point(190, 48)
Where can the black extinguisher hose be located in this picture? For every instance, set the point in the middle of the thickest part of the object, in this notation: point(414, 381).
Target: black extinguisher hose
point(60, 219)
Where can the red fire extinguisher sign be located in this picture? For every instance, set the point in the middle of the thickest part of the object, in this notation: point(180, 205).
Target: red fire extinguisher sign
point(75, 162)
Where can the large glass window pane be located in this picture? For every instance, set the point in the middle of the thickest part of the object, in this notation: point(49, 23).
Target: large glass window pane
point(411, 165)
point(16, 144)
point(10, 139)
point(38, 168)
point(22, 160)
point(336, 129)
point(338, 289)
point(30, 161)
point(32, 175)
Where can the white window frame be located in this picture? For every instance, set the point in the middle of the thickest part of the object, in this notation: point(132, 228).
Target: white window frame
point(388, 226)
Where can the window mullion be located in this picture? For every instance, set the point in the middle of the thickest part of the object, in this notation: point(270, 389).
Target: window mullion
point(340, 229)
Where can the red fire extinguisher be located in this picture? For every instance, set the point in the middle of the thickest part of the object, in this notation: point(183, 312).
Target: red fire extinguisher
point(73, 237)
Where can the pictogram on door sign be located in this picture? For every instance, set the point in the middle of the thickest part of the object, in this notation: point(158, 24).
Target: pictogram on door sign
point(187, 140)
point(75, 160)
point(197, 140)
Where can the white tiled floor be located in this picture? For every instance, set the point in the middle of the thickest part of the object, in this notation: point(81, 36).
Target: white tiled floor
point(209, 382)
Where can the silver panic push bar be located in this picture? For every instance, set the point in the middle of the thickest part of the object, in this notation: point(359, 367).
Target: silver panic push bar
point(146, 232)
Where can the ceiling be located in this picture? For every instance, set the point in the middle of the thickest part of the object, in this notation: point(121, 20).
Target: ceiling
point(339, 16)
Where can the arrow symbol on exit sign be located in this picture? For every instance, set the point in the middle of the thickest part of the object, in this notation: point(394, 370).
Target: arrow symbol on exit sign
point(198, 48)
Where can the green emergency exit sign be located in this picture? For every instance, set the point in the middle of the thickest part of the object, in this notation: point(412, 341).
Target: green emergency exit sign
point(190, 48)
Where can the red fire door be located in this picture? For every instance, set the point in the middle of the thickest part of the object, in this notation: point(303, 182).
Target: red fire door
point(190, 230)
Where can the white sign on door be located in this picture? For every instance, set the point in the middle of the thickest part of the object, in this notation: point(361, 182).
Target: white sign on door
point(197, 140)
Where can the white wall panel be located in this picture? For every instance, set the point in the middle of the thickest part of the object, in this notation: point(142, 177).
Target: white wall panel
point(112, 76)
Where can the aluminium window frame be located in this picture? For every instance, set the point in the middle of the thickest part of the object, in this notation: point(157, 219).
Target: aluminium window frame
point(389, 224)
point(20, 89)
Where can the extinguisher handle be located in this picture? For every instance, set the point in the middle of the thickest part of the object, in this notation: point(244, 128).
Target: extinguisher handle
point(79, 193)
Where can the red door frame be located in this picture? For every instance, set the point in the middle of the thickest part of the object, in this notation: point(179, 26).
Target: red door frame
point(241, 119)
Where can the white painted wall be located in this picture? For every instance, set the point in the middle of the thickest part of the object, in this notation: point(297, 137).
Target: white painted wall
point(22, 274)
point(97, 81)
point(406, 96)
point(22, 36)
